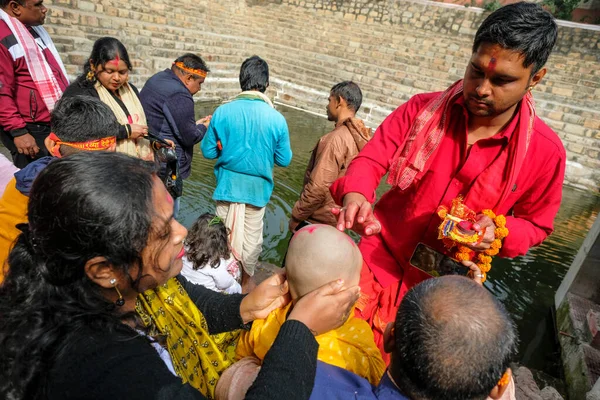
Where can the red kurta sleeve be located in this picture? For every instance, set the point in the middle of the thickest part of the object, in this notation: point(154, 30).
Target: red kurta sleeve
point(10, 118)
point(533, 214)
point(372, 163)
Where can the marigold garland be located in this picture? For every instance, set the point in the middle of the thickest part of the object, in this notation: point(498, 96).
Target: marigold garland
point(484, 258)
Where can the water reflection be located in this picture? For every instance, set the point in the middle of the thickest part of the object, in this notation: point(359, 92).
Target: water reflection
point(526, 285)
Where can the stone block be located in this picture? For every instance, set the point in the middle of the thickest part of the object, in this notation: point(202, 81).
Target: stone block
point(575, 148)
point(526, 388)
point(549, 393)
point(86, 5)
point(593, 329)
point(575, 129)
point(562, 91)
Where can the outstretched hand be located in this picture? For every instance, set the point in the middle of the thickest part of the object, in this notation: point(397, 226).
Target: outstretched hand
point(325, 308)
point(204, 121)
point(474, 273)
point(271, 294)
point(357, 215)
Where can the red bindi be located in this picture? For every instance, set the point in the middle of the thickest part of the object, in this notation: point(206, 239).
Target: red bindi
point(115, 60)
point(492, 65)
point(310, 228)
point(169, 198)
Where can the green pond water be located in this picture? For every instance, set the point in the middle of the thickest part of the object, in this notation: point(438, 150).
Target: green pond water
point(526, 285)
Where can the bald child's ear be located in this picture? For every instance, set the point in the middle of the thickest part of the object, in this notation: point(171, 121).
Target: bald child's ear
point(389, 338)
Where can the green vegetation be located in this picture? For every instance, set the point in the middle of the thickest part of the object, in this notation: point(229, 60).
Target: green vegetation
point(561, 9)
point(492, 5)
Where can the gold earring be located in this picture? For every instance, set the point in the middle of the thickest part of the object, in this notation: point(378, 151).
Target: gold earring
point(90, 76)
point(530, 87)
point(120, 301)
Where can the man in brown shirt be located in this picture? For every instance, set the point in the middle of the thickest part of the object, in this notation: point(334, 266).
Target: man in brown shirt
point(331, 156)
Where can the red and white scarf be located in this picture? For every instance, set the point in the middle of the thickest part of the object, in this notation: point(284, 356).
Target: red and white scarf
point(412, 161)
point(39, 69)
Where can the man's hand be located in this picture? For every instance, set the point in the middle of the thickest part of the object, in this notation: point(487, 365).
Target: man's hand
point(26, 145)
point(486, 225)
point(357, 214)
point(475, 272)
point(204, 121)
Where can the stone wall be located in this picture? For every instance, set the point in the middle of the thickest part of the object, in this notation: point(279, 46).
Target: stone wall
point(393, 49)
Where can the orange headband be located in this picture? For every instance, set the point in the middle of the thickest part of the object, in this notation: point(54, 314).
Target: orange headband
point(198, 72)
point(92, 145)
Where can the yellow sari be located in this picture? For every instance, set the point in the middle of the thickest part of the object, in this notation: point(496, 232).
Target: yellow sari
point(351, 346)
point(198, 357)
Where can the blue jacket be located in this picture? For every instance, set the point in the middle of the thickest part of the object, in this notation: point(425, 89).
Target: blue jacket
point(334, 383)
point(169, 108)
point(254, 136)
point(25, 177)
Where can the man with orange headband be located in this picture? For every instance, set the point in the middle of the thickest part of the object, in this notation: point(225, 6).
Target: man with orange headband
point(79, 123)
point(167, 98)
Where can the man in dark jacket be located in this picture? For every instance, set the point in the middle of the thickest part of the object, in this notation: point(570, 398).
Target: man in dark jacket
point(32, 79)
point(169, 107)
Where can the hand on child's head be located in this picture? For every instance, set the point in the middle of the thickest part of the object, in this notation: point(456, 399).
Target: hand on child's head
point(271, 294)
point(327, 307)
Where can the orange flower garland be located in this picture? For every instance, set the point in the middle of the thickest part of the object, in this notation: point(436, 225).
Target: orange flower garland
point(484, 258)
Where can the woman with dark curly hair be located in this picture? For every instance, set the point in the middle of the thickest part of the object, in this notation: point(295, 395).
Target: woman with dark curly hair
point(106, 76)
point(101, 231)
point(209, 260)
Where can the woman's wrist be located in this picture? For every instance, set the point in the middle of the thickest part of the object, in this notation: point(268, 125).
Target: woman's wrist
point(246, 314)
point(303, 319)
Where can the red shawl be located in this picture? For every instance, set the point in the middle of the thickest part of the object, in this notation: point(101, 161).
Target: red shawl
point(411, 162)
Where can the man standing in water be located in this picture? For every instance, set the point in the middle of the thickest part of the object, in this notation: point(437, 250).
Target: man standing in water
point(247, 136)
point(480, 139)
point(331, 156)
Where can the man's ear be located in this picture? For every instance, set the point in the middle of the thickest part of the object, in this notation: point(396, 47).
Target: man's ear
point(15, 8)
point(389, 338)
point(49, 143)
point(100, 271)
point(498, 390)
point(537, 77)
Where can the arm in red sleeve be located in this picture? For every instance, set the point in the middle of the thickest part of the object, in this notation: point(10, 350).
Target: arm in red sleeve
point(10, 118)
point(372, 163)
point(533, 214)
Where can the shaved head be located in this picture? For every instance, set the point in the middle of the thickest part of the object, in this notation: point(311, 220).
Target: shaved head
point(454, 340)
point(319, 254)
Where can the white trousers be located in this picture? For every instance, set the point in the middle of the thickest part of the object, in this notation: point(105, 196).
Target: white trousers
point(245, 224)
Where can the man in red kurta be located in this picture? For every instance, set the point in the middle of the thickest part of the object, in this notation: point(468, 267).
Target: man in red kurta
point(32, 79)
point(480, 139)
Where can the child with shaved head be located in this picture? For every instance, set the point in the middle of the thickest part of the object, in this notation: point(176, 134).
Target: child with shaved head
point(318, 254)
